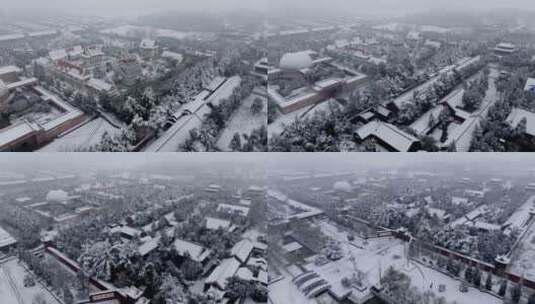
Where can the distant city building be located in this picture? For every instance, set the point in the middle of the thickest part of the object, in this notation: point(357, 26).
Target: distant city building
point(148, 48)
point(505, 48)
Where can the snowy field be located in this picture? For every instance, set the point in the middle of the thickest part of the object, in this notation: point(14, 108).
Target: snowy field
point(243, 121)
point(12, 290)
point(83, 137)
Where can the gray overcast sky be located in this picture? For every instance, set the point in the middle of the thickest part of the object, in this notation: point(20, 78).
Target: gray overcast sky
point(359, 7)
point(133, 6)
point(17, 162)
point(503, 162)
point(400, 6)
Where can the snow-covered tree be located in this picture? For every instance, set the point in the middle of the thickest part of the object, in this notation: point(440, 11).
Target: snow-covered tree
point(171, 290)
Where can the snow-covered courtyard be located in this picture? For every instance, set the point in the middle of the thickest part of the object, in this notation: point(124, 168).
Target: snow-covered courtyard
point(243, 121)
point(12, 290)
point(372, 258)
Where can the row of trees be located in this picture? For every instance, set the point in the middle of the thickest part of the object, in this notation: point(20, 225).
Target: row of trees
point(475, 93)
point(206, 136)
point(494, 134)
point(256, 141)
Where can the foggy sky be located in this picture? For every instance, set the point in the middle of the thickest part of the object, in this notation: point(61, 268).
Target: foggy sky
point(502, 163)
point(27, 162)
point(131, 7)
point(356, 7)
point(375, 7)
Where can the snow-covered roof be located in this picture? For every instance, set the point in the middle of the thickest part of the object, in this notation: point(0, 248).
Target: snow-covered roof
point(179, 132)
point(215, 223)
point(326, 83)
point(148, 44)
point(242, 250)
point(291, 247)
point(388, 133)
point(472, 215)
point(233, 208)
point(521, 216)
point(9, 69)
point(127, 230)
point(149, 246)
point(57, 196)
point(6, 239)
point(196, 252)
point(296, 61)
point(84, 136)
point(215, 83)
point(530, 85)
point(422, 125)
point(245, 202)
point(459, 200)
point(246, 274)
point(506, 45)
point(172, 55)
point(308, 211)
point(22, 83)
point(518, 115)
point(99, 85)
point(12, 133)
point(222, 272)
point(485, 226)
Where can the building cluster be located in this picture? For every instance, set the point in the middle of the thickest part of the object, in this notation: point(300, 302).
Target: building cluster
point(78, 67)
point(378, 127)
point(35, 115)
point(318, 79)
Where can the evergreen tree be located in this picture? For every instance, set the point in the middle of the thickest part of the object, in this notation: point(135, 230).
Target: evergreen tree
point(531, 299)
point(488, 282)
point(468, 274)
point(235, 143)
point(516, 293)
point(477, 278)
point(68, 297)
point(503, 288)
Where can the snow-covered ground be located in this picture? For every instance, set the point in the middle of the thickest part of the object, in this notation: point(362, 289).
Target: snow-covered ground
point(12, 290)
point(284, 291)
point(463, 134)
point(373, 257)
point(523, 261)
point(243, 121)
point(277, 126)
point(83, 137)
point(171, 140)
